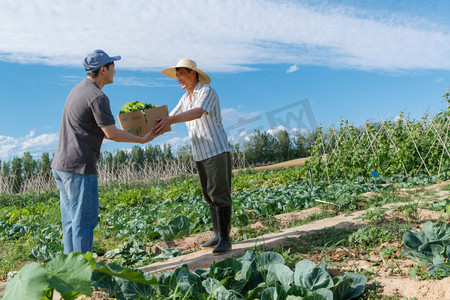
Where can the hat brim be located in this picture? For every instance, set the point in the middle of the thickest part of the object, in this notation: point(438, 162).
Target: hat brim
point(172, 73)
point(114, 58)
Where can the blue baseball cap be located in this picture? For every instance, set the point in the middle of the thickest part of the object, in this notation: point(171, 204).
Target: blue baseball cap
point(97, 59)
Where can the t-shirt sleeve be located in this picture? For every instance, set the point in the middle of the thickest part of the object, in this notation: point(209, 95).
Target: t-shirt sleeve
point(101, 110)
point(207, 99)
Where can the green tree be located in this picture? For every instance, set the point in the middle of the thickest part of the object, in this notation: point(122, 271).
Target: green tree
point(29, 165)
point(137, 157)
point(120, 159)
point(43, 165)
point(17, 174)
point(167, 150)
point(285, 144)
point(261, 148)
point(301, 147)
point(6, 169)
point(106, 159)
point(184, 154)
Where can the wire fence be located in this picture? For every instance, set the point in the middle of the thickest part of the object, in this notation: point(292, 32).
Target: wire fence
point(110, 175)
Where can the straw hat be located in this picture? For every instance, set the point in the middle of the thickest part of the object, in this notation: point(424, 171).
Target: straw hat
point(189, 64)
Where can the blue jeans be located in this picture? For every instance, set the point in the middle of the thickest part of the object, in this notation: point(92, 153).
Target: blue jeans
point(79, 209)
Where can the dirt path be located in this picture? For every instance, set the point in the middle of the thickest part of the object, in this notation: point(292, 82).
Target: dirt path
point(284, 164)
point(203, 258)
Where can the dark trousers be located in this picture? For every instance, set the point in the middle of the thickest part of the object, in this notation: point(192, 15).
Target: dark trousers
point(215, 178)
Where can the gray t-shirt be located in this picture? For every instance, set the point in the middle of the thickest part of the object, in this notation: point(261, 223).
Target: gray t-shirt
point(80, 137)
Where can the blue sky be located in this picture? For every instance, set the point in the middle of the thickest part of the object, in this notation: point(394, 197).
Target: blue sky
point(275, 64)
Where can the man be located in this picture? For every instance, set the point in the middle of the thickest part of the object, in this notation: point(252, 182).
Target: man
point(86, 121)
point(199, 107)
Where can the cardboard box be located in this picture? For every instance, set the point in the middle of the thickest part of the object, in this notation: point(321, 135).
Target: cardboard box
point(140, 122)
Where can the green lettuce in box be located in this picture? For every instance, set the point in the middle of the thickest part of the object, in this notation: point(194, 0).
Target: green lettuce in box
point(134, 106)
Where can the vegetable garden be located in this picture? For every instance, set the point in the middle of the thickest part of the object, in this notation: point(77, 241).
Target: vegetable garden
point(142, 215)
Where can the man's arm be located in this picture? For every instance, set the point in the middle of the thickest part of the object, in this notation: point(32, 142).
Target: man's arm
point(189, 115)
point(115, 134)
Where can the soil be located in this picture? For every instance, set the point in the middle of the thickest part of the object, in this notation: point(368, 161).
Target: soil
point(394, 280)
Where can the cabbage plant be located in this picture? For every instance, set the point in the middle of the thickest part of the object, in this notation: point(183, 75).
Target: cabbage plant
point(431, 245)
point(264, 276)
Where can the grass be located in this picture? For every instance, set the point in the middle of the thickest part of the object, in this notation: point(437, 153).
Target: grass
point(271, 225)
point(12, 256)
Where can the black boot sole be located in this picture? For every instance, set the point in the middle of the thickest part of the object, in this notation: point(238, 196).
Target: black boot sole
point(221, 253)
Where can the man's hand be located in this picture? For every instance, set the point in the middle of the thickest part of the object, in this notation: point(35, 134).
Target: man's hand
point(149, 136)
point(114, 134)
point(162, 125)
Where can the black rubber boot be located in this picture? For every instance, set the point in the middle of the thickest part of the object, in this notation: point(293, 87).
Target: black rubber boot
point(224, 222)
point(215, 239)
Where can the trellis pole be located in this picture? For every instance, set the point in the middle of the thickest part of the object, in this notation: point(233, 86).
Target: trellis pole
point(396, 148)
point(417, 149)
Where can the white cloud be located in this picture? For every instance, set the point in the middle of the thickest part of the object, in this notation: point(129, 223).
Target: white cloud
point(147, 82)
point(291, 131)
point(35, 144)
point(438, 80)
point(292, 69)
point(230, 36)
point(234, 117)
point(177, 142)
point(239, 125)
point(277, 129)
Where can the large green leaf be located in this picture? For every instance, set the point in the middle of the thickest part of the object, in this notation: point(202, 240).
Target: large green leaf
point(428, 244)
point(174, 278)
point(265, 259)
point(248, 256)
point(274, 293)
point(245, 272)
point(248, 278)
point(437, 231)
point(315, 297)
point(194, 283)
point(107, 284)
point(323, 292)
point(282, 274)
point(308, 275)
point(70, 274)
point(442, 269)
point(358, 283)
point(342, 289)
point(227, 267)
point(29, 283)
point(216, 290)
point(125, 273)
point(130, 290)
point(411, 240)
point(182, 280)
point(298, 291)
point(301, 293)
point(178, 227)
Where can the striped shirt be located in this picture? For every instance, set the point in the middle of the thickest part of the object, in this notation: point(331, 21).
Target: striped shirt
point(208, 138)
